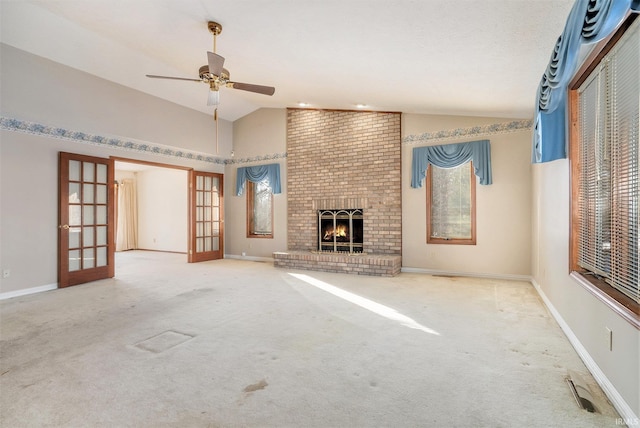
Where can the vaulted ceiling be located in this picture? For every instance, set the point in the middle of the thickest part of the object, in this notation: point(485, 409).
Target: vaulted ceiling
point(463, 57)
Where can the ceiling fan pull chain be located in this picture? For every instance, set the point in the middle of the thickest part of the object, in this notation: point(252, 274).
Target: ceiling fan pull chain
point(215, 118)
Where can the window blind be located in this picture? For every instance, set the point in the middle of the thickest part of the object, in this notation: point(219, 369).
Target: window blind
point(609, 202)
point(624, 94)
point(594, 254)
point(451, 202)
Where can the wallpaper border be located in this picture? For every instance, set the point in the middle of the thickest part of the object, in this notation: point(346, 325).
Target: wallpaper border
point(274, 156)
point(474, 131)
point(16, 125)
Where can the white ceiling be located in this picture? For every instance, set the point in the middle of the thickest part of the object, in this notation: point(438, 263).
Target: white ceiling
point(463, 57)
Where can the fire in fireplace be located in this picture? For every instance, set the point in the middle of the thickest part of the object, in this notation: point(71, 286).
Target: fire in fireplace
point(340, 230)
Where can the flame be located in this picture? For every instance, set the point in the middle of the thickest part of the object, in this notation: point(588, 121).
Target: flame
point(339, 232)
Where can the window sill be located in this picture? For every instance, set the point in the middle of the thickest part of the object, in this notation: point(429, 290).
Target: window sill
point(265, 236)
point(616, 301)
point(451, 241)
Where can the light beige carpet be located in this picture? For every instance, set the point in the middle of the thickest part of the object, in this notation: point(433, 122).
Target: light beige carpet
point(234, 343)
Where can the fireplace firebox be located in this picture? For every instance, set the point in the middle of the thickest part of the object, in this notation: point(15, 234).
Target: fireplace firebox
point(340, 230)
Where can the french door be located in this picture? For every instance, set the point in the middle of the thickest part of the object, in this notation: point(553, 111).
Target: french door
point(86, 219)
point(206, 220)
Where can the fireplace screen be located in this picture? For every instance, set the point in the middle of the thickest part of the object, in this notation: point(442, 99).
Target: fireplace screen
point(340, 230)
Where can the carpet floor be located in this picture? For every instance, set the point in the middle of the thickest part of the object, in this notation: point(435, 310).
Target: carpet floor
point(234, 343)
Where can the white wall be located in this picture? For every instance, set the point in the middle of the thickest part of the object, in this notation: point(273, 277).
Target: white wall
point(261, 133)
point(76, 101)
point(503, 209)
point(163, 209)
point(587, 317)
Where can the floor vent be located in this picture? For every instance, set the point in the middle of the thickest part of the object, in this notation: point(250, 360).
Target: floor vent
point(581, 392)
point(163, 341)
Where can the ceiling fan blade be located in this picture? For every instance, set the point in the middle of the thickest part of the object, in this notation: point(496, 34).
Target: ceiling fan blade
point(265, 90)
point(215, 63)
point(173, 78)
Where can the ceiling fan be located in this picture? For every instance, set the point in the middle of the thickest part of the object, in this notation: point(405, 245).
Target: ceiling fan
point(216, 76)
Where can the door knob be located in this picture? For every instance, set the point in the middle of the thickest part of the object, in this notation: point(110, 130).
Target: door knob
point(64, 226)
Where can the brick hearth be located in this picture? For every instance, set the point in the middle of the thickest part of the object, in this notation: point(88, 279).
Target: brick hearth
point(360, 264)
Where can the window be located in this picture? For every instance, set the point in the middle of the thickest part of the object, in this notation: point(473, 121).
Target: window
point(259, 209)
point(605, 158)
point(451, 213)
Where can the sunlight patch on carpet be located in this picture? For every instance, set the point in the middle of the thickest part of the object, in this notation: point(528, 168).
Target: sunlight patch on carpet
point(365, 303)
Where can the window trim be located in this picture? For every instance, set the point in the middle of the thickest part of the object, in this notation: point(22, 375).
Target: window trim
point(454, 241)
point(616, 300)
point(250, 200)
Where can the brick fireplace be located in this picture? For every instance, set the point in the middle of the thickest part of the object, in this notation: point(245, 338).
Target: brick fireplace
point(344, 160)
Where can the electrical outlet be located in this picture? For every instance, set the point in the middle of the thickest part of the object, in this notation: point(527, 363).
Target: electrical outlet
point(609, 338)
point(6, 273)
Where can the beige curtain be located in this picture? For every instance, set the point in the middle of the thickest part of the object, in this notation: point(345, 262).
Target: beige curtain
point(127, 232)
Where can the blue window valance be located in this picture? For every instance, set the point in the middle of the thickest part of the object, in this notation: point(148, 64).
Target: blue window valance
point(451, 156)
point(258, 173)
point(589, 21)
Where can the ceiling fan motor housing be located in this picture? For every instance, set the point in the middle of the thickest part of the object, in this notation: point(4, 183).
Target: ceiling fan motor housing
point(204, 74)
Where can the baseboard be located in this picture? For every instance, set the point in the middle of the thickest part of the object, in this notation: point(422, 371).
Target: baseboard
point(250, 258)
point(26, 291)
point(526, 278)
point(625, 411)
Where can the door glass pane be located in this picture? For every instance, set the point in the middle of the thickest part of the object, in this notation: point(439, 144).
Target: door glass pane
point(87, 237)
point(74, 170)
point(75, 216)
point(88, 218)
point(207, 229)
point(216, 244)
point(216, 228)
point(215, 214)
point(199, 182)
point(87, 193)
point(74, 260)
point(101, 259)
point(74, 193)
point(101, 236)
point(101, 173)
point(101, 214)
point(216, 199)
point(199, 214)
point(87, 171)
point(214, 185)
point(74, 237)
point(207, 244)
point(101, 194)
point(199, 244)
point(207, 214)
point(88, 260)
point(199, 198)
point(199, 228)
point(207, 198)
point(207, 184)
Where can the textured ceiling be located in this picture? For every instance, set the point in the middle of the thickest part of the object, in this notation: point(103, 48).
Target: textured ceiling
point(478, 57)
